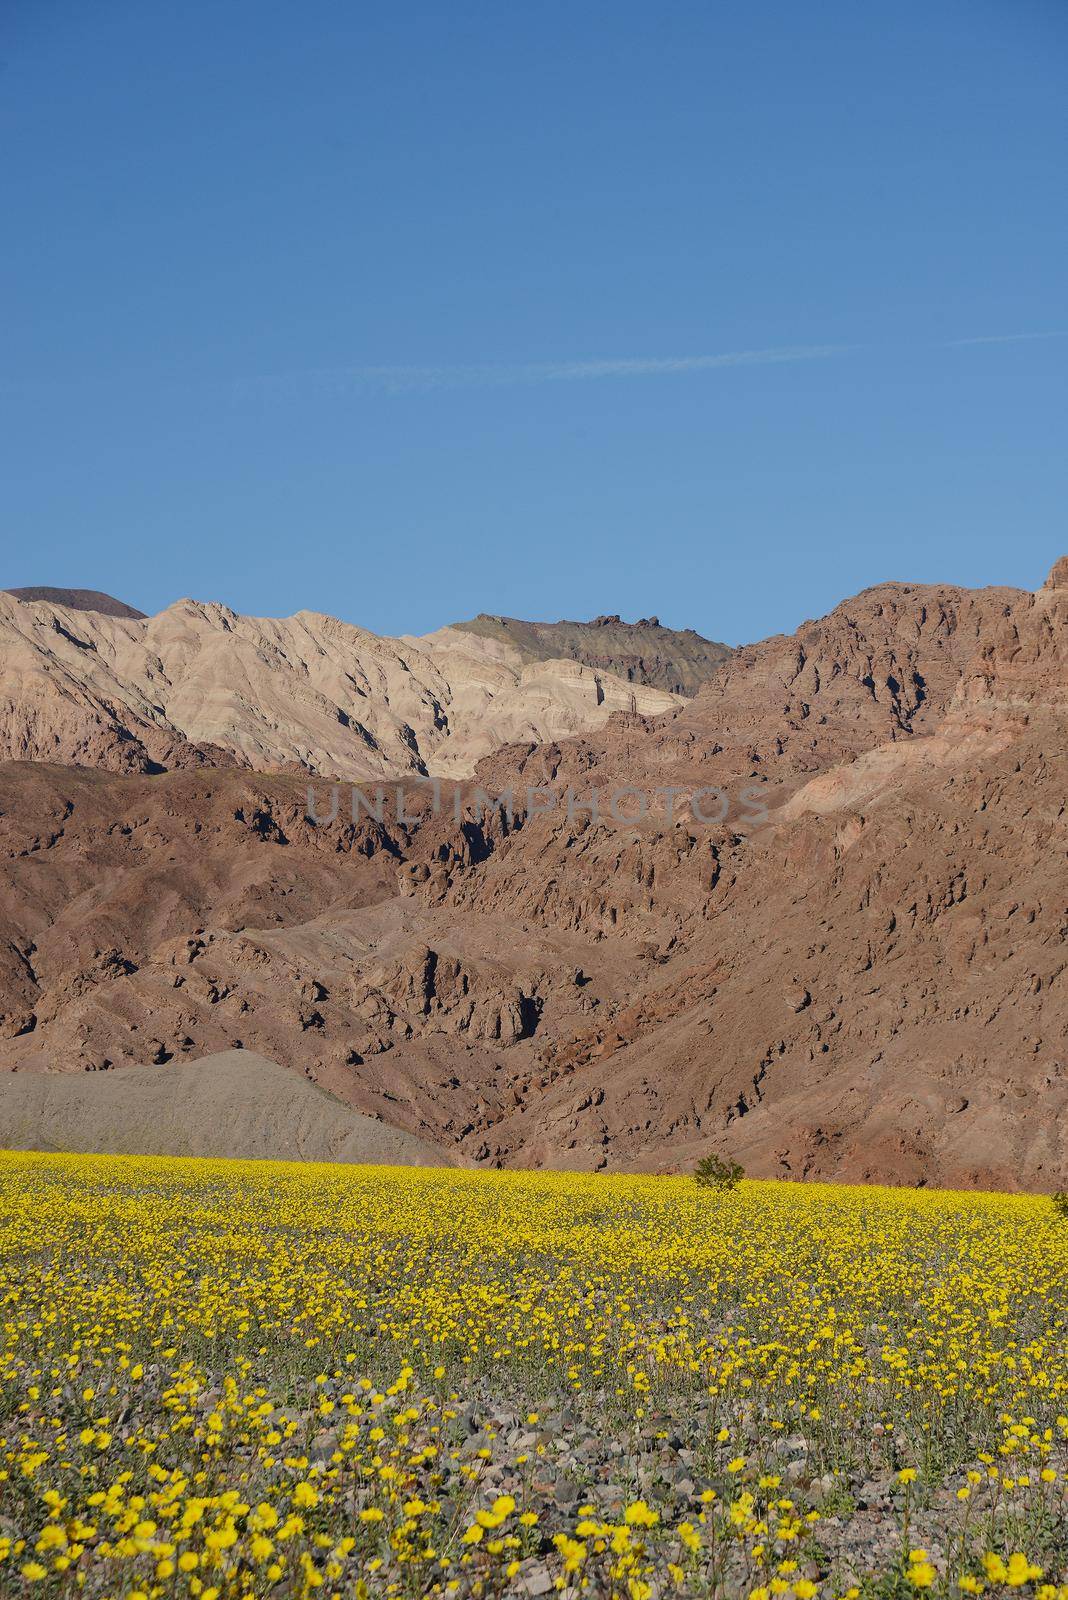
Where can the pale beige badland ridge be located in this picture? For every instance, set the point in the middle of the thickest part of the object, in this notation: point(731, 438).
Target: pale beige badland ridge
point(199, 683)
point(870, 985)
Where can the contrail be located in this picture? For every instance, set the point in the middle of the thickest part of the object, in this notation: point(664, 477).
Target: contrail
point(1006, 338)
point(338, 382)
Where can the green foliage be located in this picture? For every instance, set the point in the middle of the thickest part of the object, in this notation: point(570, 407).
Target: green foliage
point(713, 1172)
point(1060, 1200)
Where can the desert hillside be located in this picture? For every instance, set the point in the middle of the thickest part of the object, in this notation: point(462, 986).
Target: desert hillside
point(236, 1104)
point(861, 976)
point(640, 652)
point(200, 685)
point(78, 600)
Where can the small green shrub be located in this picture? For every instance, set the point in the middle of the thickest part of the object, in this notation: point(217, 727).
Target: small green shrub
point(1060, 1200)
point(713, 1172)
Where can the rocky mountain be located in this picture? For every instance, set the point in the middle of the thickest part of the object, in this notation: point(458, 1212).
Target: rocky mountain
point(881, 667)
point(639, 652)
point(859, 973)
point(200, 685)
point(78, 600)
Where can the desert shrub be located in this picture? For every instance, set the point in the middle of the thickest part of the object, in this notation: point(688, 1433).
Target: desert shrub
point(713, 1172)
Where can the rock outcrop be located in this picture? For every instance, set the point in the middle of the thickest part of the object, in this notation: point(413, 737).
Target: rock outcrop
point(639, 652)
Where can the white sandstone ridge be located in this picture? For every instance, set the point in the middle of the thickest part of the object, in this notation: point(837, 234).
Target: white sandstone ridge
point(200, 683)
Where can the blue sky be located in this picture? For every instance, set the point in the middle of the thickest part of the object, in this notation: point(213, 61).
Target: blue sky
point(409, 312)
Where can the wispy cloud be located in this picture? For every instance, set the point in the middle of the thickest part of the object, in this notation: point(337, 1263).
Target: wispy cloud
point(338, 382)
point(1007, 338)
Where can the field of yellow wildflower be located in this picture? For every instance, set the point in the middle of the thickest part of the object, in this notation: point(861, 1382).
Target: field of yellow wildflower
point(262, 1379)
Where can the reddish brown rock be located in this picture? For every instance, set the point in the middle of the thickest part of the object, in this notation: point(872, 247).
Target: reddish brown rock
point(868, 984)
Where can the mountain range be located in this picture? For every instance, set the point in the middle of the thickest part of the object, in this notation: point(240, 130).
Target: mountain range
point(833, 946)
point(86, 679)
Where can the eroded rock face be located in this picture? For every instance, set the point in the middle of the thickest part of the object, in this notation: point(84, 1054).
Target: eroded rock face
point(869, 984)
point(199, 684)
point(1019, 669)
point(882, 667)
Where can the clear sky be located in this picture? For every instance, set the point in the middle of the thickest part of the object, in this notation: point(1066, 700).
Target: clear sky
point(720, 311)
